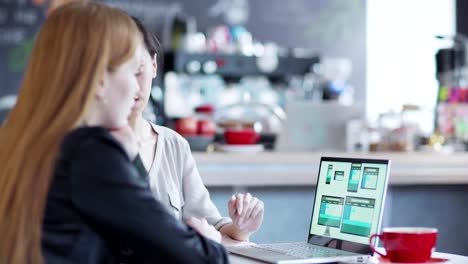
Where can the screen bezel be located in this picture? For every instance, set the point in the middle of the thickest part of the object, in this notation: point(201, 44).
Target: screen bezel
point(339, 243)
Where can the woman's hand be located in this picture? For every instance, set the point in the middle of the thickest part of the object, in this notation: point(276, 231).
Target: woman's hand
point(246, 212)
point(128, 139)
point(205, 229)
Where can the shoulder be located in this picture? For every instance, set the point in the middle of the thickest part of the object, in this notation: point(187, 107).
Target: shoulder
point(94, 156)
point(91, 142)
point(90, 137)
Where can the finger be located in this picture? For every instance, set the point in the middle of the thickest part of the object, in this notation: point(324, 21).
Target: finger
point(252, 205)
point(248, 207)
point(232, 206)
point(256, 218)
point(245, 204)
point(232, 201)
point(233, 198)
point(258, 210)
point(239, 203)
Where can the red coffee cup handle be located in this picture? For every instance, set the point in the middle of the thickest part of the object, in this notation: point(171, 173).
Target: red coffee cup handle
point(371, 244)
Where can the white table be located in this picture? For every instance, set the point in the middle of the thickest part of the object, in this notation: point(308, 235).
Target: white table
point(453, 259)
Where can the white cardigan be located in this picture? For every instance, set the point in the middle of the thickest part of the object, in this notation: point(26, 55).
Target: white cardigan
point(176, 182)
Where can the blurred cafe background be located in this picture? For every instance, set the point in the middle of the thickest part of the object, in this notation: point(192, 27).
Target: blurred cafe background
point(298, 80)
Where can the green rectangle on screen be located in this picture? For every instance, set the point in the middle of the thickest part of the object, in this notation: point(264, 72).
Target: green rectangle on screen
point(329, 220)
point(329, 174)
point(355, 228)
point(354, 177)
point(339, 175)
point(331, 209)
point(370, 178)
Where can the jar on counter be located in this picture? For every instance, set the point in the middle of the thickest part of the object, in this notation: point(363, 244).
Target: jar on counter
point(199, 130)
point(205, 123)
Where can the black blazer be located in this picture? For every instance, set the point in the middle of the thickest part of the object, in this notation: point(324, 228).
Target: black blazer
point(98, 204)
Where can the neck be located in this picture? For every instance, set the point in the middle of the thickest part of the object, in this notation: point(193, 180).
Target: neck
point(140, 126)
point(93, 118)
point(132, 122)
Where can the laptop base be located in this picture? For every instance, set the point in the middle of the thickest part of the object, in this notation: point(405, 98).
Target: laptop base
point(271, 256)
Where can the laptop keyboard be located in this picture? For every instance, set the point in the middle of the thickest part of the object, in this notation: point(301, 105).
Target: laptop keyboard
point(301, 250)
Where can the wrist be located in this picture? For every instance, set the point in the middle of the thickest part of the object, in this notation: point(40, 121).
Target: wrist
point(232, 231)
point(243, 235)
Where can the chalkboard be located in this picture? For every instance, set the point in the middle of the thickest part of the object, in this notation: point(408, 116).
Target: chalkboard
point(334, 28)
point(19, 23)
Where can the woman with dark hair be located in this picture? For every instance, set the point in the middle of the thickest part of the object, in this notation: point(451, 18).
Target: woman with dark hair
point(172, 172)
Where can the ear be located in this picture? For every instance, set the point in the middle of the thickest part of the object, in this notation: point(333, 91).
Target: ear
point(100, 89)
point(154, 62)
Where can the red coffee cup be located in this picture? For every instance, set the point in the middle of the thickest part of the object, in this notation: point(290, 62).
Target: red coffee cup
point(406, 244)
point(241, 136)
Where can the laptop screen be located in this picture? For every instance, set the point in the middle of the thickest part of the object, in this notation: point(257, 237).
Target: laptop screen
point(349, 199)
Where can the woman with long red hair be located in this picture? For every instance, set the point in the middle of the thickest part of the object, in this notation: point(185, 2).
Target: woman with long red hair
point(68, 190)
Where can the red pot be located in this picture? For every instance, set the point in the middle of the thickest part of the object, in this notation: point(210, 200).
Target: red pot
point(241, 136)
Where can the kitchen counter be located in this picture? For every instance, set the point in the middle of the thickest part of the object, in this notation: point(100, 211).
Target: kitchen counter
point(301, 169)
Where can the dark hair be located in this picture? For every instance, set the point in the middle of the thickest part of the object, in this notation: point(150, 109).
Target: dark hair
point(151, 42)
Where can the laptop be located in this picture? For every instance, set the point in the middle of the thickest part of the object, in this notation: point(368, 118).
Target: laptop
point(347, 210)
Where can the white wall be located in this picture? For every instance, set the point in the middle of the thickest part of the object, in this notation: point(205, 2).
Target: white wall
point(401, 49)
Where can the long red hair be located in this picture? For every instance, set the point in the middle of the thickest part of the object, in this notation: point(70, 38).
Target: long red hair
point(76, 45)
